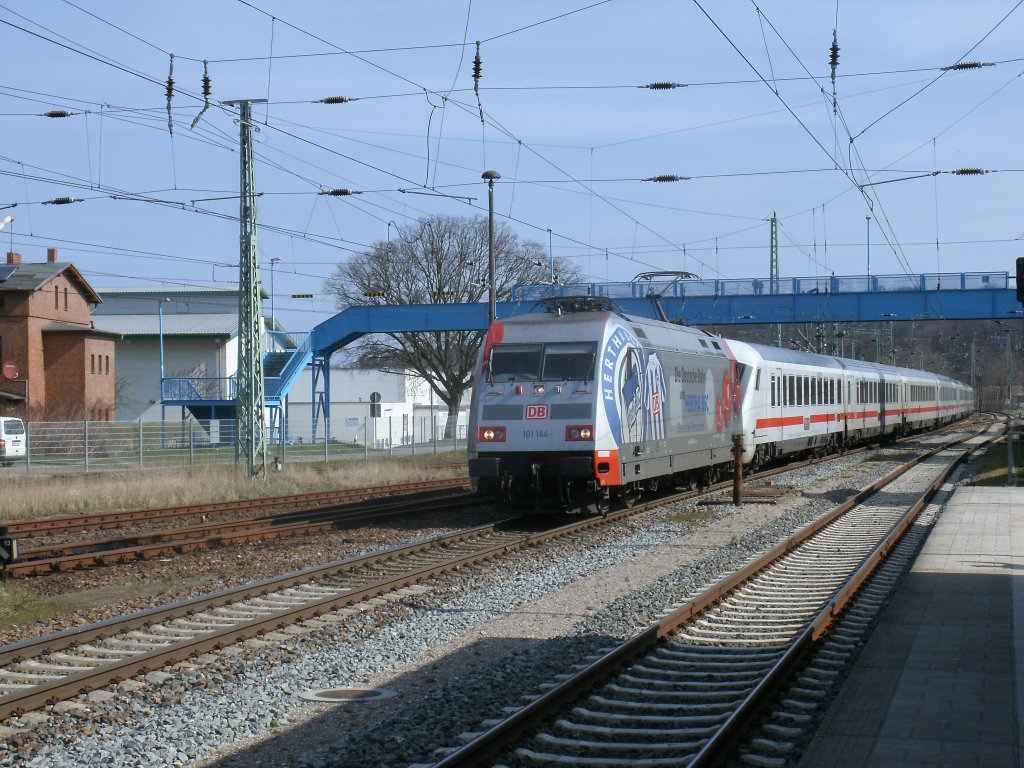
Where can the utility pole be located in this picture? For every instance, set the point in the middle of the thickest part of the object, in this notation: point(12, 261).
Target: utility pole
point(773, 271)
point(251, 421)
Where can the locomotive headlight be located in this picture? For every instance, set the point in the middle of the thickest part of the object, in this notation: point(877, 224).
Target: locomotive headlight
point(579, 432)
point(491, 434)
point(538, 389)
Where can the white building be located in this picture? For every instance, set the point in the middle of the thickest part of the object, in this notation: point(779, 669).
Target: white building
point(409, 410)
point(199, 338)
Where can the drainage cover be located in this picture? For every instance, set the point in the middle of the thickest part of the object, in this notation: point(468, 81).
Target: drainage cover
point(341, 695)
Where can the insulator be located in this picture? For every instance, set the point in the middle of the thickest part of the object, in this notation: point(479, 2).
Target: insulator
point(335, 100)
point(663, 86)
point(667, 178)
point(969, 172)
point(207, 82)
point(170, 87)
point(833, 58)
point(478, 64)
point(57, 113)
point(62, 201)
point(967, 65)
point(340, 192)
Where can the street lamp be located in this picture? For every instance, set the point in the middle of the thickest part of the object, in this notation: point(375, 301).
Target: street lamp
point(867, 219)
point(490, 176)
point(273, 310)
point(551, 258)
point(390, 225)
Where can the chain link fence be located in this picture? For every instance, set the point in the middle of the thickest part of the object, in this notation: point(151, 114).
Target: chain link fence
point(97, 446)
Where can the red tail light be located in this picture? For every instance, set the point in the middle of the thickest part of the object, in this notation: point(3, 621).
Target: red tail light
point(579, 433)
point(490, 434)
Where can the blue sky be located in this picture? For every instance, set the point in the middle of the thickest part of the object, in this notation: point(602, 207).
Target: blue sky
point(566, 125)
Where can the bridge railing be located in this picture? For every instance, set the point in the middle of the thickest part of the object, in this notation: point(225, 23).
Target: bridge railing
point(198, 388)
point(949, 281)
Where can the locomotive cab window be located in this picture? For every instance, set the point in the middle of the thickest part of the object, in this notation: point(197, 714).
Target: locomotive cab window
point(516, 362)
point(563, 362)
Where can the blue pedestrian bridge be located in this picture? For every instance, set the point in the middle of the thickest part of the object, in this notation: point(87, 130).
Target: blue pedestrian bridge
point(832, 298)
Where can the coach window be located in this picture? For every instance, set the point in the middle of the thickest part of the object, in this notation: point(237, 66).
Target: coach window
point(565, 361)
point(757, 380)
point(791, 399)
point(771, 387)
point(814, 392)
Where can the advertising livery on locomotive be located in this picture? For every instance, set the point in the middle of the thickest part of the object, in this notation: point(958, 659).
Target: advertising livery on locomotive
point(578, 408)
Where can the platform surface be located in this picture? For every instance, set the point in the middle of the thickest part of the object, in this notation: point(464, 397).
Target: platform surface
point(939, 682)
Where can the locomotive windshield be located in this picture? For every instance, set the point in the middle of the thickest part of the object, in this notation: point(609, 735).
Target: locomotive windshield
point(575, 361)
point(516, 362)
point(543, 362)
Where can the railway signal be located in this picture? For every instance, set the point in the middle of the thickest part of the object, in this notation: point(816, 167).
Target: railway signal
point(8, 549)
point(1020, 279)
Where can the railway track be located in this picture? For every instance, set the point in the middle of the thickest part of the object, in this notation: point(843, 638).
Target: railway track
point(683, 691)
point(43, 670)
point(34, 561)
point(46, 526)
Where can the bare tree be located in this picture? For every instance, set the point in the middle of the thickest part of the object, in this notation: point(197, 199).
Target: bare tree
point(437, 260)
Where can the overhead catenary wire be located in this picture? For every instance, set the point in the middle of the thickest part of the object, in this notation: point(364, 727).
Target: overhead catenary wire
point(554, 181)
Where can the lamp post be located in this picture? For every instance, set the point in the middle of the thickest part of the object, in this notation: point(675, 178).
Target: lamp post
point(390, 225)
point(867, 219)
point(273, 310)
point(160, 330)
point(551, 258)
point(490, 176)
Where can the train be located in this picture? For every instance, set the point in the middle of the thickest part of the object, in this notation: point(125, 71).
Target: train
point(582, 407)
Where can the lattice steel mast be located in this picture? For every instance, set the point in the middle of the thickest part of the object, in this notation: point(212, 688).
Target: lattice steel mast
point(251, 439)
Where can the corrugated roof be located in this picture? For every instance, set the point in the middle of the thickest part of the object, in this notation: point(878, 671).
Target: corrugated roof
point(174, 325)
point(32, 277)
point(157, 293)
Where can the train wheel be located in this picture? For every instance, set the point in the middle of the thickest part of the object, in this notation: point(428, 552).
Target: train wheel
point(567, 491)
point(603, 502)
point(629, 494)
point(652, 485)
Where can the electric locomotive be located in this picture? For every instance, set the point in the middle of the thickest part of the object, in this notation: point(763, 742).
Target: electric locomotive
point(587, 406)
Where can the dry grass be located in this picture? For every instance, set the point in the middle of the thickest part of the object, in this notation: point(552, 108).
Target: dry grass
point(28, 496)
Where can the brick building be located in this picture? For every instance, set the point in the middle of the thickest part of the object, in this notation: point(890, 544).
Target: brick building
point(54, 365)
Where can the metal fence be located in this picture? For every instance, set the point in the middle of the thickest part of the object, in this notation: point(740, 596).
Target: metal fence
point(97, 446)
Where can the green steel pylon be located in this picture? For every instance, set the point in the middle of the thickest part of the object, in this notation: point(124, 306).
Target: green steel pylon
point(251, 439)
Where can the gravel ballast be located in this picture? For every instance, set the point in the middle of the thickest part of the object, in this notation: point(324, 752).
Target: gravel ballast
point(453, 653)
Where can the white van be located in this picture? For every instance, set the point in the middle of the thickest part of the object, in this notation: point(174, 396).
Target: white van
point(12, 440)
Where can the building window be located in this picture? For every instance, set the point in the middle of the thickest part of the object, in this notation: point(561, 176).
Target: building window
point(106, 364)
point(56, 297)
point(92, 363)
point(65, 299)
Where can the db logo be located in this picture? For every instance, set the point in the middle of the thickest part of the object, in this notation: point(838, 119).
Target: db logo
point(536, 411)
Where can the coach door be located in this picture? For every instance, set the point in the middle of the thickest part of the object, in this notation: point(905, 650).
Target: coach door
point(882, 403)
point(783, 409)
